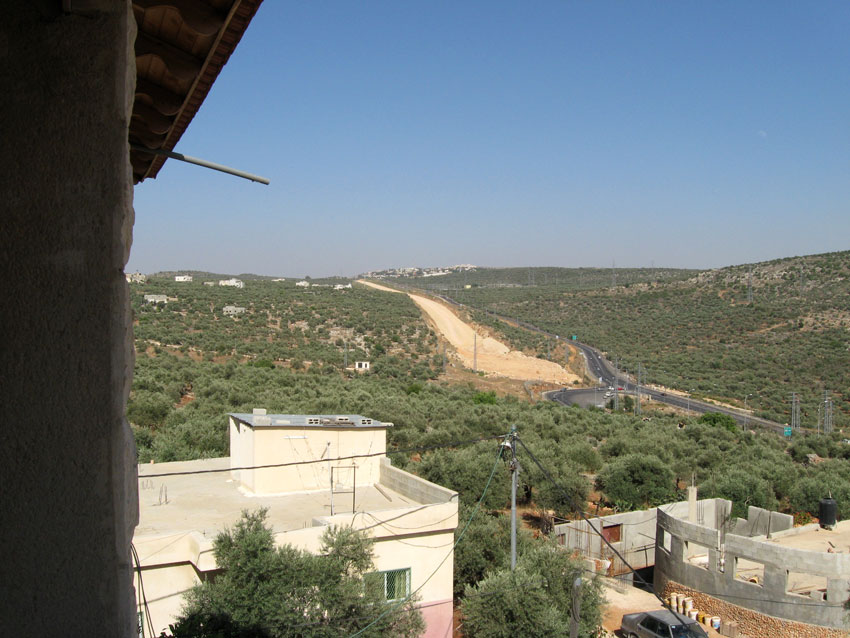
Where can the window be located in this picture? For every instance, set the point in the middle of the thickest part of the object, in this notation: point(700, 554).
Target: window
point(396, 583)
point(611, 533)
point(650, 624)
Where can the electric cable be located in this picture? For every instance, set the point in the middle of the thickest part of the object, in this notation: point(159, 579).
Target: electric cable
point(147, 611)
point(580, 511)
point(450, 552)
point(426, 448)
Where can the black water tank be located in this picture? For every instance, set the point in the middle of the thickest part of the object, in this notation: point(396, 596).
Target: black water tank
point(828, 512)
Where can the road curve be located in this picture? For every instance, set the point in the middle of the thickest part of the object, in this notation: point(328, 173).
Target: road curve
point(603, 370)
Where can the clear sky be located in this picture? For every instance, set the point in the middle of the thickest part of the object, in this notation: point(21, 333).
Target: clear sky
point(688, 134)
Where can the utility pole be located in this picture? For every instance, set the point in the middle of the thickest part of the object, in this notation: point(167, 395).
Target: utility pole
point(576, 612)
point(749, 285)
point(475, 352)
point(616, 384)
point(345, 364)
point(514, 472)
point(825, 414)
point(795, 411)
point(637, 391)
point(802, 281)
point(746, 412)
point(444, 356)
point(613, 274)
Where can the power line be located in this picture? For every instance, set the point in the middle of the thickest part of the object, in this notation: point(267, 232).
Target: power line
point(730, 597)
point(450, 553)
point(340, 458)
point(580, 510)
point(143, 599)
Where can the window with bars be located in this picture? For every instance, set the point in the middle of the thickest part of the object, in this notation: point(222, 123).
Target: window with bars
point(396, 583)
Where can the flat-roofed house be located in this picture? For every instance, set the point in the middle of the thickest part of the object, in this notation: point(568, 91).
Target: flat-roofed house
point(232, 311)
point(310, 471)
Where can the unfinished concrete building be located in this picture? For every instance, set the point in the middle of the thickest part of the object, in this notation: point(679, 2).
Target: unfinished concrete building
point(761, 563)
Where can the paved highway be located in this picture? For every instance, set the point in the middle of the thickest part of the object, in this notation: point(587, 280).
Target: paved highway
point(603, 370)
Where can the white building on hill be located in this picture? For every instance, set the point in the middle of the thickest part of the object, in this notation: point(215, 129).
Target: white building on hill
point(182, 277)
point(155, 299)
point(232, 311)
point(235, 283)
point(337, 474)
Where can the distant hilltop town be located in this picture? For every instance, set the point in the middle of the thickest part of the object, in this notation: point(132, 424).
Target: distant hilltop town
point(416, 271)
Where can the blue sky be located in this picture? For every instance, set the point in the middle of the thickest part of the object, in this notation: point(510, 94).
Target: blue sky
point(688, 134)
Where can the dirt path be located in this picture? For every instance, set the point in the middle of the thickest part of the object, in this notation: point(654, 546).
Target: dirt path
point(493, 357)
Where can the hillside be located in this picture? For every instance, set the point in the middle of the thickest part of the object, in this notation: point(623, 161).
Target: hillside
point(287, 353)
point(700, 332)
point(540, 277)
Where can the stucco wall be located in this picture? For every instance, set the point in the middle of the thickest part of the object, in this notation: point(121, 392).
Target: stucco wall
point(67, 460)
point(418, 537)
point(271, 445)
point(769, 596)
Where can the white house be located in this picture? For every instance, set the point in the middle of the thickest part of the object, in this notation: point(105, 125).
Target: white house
point(209, 283)
point(182, 277)
point(303, 284)
point(309, 471)
point(341, 286)
point(135, 278)
point(155, 299)
point(235, 283)
point(232, 311)
point(361, 366)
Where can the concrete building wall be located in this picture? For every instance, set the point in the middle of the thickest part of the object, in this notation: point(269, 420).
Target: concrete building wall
point(417, 537)
point(769, 596)
point(68, 499)
point(274, 445)
point(637, 533)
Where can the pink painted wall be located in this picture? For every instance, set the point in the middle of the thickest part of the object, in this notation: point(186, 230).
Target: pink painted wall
point(438, 618)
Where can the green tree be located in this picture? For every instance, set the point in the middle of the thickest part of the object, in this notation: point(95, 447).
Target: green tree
point(637, 480)
point(741, 486)
point(533, 600)
point(720, 420)
point(269, 592)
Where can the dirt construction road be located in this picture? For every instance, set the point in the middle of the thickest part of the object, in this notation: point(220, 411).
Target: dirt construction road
point(494, 357)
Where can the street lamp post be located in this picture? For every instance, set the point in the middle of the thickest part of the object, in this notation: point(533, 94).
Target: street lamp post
point(689, 401)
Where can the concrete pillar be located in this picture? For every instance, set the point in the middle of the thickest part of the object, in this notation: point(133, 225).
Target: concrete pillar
point(692, 503)
point(67, 462)
point(836, 589)
point(775, 581)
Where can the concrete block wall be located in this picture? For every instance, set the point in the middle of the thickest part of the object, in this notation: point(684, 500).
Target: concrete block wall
point(637, 532)
point(412, 486)
point(767, 597)
point(751, 623)
point(761, 522)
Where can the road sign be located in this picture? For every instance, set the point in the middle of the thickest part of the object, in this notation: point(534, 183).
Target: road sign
point(574, 337)
point(787, 430)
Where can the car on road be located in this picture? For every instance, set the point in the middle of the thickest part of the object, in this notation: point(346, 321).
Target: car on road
point(620, 388)
point(660, 624)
